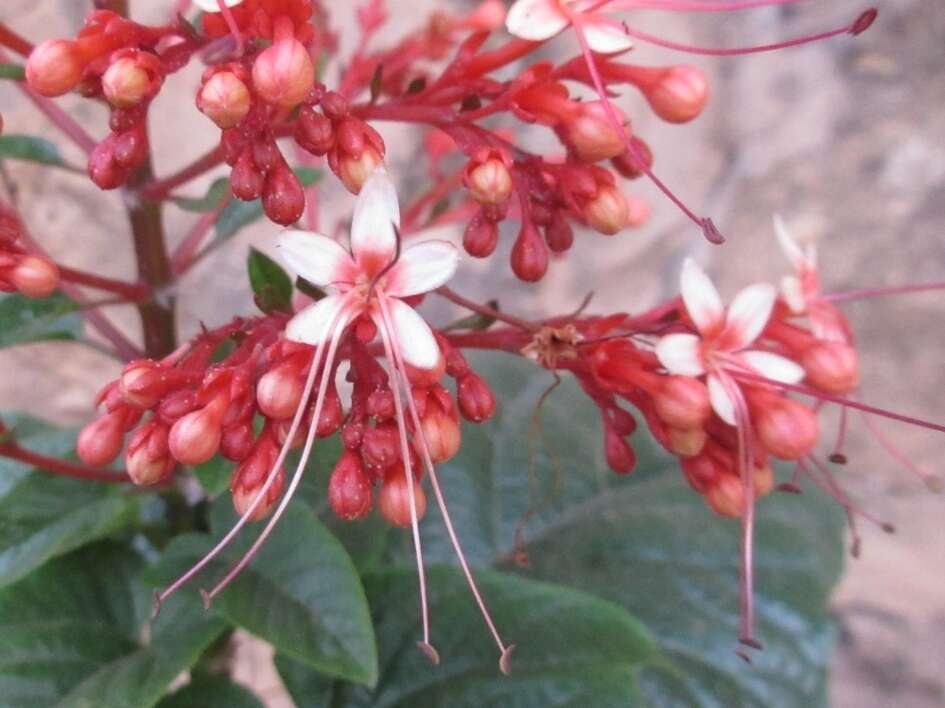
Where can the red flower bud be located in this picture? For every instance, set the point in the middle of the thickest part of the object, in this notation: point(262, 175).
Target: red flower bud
point(590, 134)
point(558, 234)
point(620, 456)
point(279, 391)
point(394, 500)
point(349, 488)
point(237, 441)
point(702, 471)
point(127, 81)
point(100, 441)
point(481, 237)
point(788, 429)
point(243, 498)
point(35, 277)
point(687, 442)
point(441, 434)
point(283, 74)
point(195, 438)
point(224, 99)
point(177, 405)
point(354, 171)
point(726, 496)
point(283, 196)
point(380, 404)
point(627, 165)
point(314, 132)
point(143, 383)
point(832, 366)
point(489, 182)
point(607, 212)
point(332, 416)
point(335, 105)
point(476, 400)
point(54, 67)
point(529, 254)
point(246, 180)
point(682, 402)
point(380, 446)
point(679, 95)
point(147, 459)
point(251, 475)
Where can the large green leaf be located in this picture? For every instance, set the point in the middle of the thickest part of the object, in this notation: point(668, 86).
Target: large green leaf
point(70, 635)
point(211, 691)
point(24, 320)
point(572, 649)
point(301, 593)
point(31, 148)
point(43, 516)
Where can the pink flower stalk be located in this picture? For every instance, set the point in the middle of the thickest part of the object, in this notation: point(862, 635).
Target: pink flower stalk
point(369, 283)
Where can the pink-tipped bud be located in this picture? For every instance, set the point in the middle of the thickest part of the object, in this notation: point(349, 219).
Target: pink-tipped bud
point(279, 391)
point(687, 442)
point(787, 429)
point(529, 254)
point(590, 134)
point(54, 67)
point(481, 237)
point(682, 402)
point(283, 74)
point(243, 497)
point(680, 94)
point(441, 434)
point(354, 171)
point(314, 132)
point(225, 99)
point(394, 500)
point(349, 488)
point(607, 212)
point(727, 496)
point(35, 277)
point(127, 82)
point(147, 459)
point(475, 397)
point(250, 477)
point(283, 196)
point(143, 383)
point(195, 438)
point(832, 366)
point(100, 441)
point(558, 234)
point(620, 456)
point(489, 181)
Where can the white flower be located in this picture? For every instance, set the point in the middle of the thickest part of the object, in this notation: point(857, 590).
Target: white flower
point(538, 20)
point(371, 278)
point(722, 346)
point(214, 5)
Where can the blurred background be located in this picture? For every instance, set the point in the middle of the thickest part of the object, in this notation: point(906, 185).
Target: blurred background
point(843, 138)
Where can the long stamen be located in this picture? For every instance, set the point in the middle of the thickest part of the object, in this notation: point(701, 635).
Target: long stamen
point(829, 485)
point(682, 6)
point(340, 322)
point(400, 372)
point(880, 292)
point(709, 230)
point(425, 646)
point(856, 541)
point(930, 480)
point(260, 495)
point(837, 456)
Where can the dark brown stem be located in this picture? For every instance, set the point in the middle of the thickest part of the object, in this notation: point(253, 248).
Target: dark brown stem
point(61, 467)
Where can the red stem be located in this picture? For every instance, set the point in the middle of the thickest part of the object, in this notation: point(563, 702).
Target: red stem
point(54, 465)
point(183, 256)
point(130, 291)
point(11, 40)
point(157, 190)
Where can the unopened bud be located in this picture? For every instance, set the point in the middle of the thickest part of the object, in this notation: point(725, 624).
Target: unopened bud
point(475, 398)
point(682, 402)
point(787, 429)
point(195, 438)
point(147, 459)
point(142, 383)
point(529, 254)
point(224, 99)
point(283, 74)
point(100, 441)
point(687, 442)
point(394, 500)
point(427, 377)
point(620, 456)
point(558, 234)
point(246, 180)
point(283, 196)
point(607, 212)
point(591, 134)
point(35, 277)
point(243, 497)
point(680, 94)
point(833, 367)
point(763, 480)
point(354, 171)
point(127, 83)
point(441, 434)
point(314, 132)
point(489, 182)
point(380, 447)
point(481, 237)
point(380, 404)
point(332, 416)
point(349, 488)
point(727, 496)
point(237, 441)
point(628, 165)
point(54, 67)
point(279, 391)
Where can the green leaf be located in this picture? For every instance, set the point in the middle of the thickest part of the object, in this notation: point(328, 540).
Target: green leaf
point(24, 320)
point(43, 516)
point(31, 148)
point(648, 543)
point(71, 635)
point(209, 201)
point(272, 287)
point(214, 475)
point(301, 593)
point(238, 214)
point(572, 648)
point(14, 72)
point(211, 691)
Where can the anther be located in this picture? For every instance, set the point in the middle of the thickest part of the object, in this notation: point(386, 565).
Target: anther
point(505, 661)
point(430, 652)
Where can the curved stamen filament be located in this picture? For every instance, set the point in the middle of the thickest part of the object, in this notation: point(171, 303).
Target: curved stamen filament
point(931, 481)
point(399, 368)
point(341, 321)
point(387, 338)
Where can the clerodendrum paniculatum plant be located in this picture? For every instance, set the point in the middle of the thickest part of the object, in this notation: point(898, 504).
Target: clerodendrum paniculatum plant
point(335, 401)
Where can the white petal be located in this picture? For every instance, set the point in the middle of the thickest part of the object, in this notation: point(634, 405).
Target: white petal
point(701, 298)
point(421, 268)
point(213, 5)
point(605, 36)
point(376, 214)
point(535, 20)
point(412, 335)
point(773, 366)
point(314, 324)
point(747, 315)
point(790, 247)
point(721, 402)
point(793, 293)
point(680, 354)
point(319, 259)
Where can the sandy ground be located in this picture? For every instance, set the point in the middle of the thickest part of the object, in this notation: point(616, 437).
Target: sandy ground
point(845, 139)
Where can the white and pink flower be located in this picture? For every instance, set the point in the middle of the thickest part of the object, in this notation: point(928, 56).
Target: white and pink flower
point(722, 347)
point(538, 20)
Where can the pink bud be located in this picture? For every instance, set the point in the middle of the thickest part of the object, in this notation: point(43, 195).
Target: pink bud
point(237, 441)
point(529, 254)
point(680, 94)
point(100, 441)
point(394, 500)
point(788, 429)
point(682, 402)
point(195, 438)
point(441, 434)
point(380, 446)
point(687, 442)
point(481, 237)
point(701, 471)
point(475, 398)
point(127, 83)
point(489, 182)
point(380, 404)
point(283, 74)
point(763, 480)
point(332, 416)
point(627, 165)
point(314, 132)
point(283, 196)
point(349, 488)
point(147, 459)
point(246, 180)
point(143, 383)
point(727, 496)
point(620, 456)
point(427, 377)
point(607, 212)
point(279, 391)
point(558, 234)
point(224, 99)
point(335, 105)
point(832, 366)
point(243, 497)
point(54, 67)
point(590, 134)
point(354, 171)
point(35, 277)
